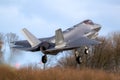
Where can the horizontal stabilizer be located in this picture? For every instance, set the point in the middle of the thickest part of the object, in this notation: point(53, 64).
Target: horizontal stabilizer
point(59, 39)
point(31, 38)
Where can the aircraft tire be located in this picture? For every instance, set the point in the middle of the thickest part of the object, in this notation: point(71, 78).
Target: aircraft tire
point(44, 59)
point(86, 51)
point(79, 60)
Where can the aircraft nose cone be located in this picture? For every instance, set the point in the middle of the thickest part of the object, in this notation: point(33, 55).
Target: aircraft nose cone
point(97, 28)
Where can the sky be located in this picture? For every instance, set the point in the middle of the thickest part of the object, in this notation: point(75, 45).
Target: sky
point(43, 17)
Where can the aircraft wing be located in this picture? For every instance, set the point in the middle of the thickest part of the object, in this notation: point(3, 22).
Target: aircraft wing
point(83, 41)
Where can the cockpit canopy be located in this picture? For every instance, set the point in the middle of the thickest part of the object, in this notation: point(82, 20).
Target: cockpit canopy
point(88, 22)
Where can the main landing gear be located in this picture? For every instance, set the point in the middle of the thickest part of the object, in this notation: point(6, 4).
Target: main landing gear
point(78, 56)
point(77, 52)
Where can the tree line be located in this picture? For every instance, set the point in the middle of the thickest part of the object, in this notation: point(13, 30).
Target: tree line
point(5, 40)
point(105, 56)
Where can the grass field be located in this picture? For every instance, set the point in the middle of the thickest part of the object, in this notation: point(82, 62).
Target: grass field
point(7, 73)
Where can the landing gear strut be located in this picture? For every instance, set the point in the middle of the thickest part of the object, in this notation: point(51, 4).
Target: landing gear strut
point(44, 60)
point(78, 55)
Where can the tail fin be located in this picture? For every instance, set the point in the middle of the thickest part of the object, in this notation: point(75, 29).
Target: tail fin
point(30, 38)
point(59, 39)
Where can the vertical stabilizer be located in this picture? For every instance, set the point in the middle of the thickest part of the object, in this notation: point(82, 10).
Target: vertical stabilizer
point(30, 38)
point(59, 39)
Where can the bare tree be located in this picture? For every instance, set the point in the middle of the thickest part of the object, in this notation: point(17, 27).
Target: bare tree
point(67, 60)
point(1, 45)
point(105, 56)
point(102, 57)
point(1, 40)
point(116, 46)
point(10, 37)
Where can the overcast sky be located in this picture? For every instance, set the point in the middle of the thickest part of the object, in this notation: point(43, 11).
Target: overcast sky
point(43, 17)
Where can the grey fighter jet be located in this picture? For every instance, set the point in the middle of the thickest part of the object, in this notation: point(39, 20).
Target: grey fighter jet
point(82, 34)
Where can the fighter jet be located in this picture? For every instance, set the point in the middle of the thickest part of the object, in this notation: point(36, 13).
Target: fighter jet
point(81, 34)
